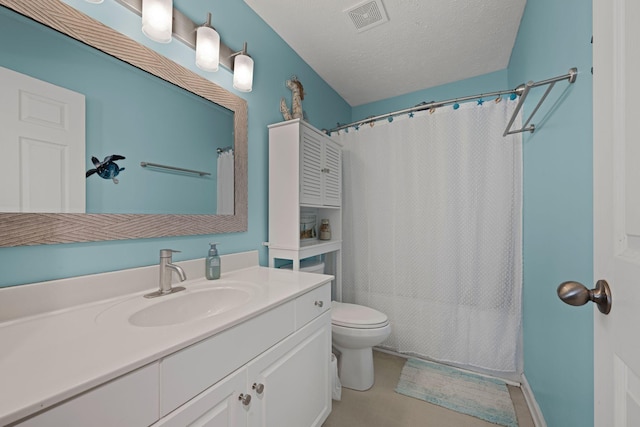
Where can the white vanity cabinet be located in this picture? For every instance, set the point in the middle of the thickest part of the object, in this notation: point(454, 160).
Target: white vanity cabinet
point(131, 400)
point(286, 385)
point(271, 369)
point(305, 187)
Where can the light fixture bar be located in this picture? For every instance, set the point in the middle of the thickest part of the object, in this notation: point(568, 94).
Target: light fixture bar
point(184, 29)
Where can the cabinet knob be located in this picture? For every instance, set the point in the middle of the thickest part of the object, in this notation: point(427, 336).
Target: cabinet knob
point(245, 399)
point(259, 388)
point(319, 304)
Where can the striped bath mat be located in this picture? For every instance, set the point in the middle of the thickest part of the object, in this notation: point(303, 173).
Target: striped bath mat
point(460, 391)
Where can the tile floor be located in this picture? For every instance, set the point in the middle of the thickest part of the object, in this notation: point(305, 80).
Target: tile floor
point(381, 406)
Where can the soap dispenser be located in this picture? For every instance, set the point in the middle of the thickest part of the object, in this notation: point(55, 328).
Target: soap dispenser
point(212, 271)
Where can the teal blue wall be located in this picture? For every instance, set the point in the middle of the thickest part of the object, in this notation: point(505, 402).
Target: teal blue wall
point(558, 343)
point(558, 239)
point(275, 61)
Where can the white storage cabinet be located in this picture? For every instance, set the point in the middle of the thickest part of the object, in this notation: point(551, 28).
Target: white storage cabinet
point(305, 179)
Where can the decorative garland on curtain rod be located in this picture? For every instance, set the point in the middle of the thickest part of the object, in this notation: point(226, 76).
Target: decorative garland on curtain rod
point(431, 106)
point(522, 91)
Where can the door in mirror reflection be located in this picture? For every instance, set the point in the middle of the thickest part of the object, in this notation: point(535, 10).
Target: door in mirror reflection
point(42, 146)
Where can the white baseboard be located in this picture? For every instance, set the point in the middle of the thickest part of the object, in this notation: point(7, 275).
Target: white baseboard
point(536, 413)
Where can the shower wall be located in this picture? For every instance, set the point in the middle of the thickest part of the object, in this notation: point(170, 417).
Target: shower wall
point(558, 238)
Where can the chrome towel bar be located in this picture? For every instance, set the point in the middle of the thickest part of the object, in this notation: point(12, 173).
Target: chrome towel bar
point(173, 168)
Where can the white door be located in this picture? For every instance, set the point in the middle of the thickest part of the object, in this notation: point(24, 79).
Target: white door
point(41, 145)
point(332, 174)
point(311, 168)
point(290, 382)
point(218, 406)
point(617, 210)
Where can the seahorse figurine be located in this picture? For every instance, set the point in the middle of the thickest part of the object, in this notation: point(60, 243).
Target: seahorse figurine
point(285, 110)
point(297, 95)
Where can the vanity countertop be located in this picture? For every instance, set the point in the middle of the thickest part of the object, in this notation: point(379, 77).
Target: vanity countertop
point(51, 356)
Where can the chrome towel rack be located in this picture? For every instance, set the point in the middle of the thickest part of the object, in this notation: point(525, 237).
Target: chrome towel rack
point(523, 91)
point(173, 168)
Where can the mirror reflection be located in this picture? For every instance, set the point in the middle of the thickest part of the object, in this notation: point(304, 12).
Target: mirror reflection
point(130, 117)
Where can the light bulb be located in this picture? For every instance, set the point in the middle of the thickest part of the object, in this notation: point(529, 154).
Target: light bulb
point(157, 19)
point(243, 73)
point(207, 48)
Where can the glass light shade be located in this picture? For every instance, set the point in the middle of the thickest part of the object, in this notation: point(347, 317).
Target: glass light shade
point(207, 48)
point(243, 73)
point(94, 1)
point(157, 19)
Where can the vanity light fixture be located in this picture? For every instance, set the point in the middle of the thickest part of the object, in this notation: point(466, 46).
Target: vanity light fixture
point(161, 22)
point(242, 70)
point(94, 1)
point(207, 46)
point(157, 19)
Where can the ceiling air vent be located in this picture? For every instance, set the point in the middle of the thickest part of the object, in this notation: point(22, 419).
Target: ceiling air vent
point(367, 15)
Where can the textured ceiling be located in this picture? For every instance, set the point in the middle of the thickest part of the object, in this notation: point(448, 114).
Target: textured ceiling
point(425, 43)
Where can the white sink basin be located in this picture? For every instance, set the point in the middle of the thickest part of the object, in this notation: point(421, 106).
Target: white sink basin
point(197, 302)
point(189, 306)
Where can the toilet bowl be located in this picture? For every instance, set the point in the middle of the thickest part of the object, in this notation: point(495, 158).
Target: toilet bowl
point(355, 330)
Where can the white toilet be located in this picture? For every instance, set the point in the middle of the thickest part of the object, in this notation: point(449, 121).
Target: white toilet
point(355, 329)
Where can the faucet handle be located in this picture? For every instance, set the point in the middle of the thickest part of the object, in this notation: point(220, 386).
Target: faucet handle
point(166, 253)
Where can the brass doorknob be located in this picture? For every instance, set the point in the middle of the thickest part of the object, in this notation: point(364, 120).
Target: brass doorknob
point(575, 293)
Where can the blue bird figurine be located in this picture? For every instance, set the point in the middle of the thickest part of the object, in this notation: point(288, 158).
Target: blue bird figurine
point(107, 168)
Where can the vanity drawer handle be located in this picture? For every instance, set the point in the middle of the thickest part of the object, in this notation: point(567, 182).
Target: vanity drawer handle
point(259, 388)
point(319, 304)
point(245, 399)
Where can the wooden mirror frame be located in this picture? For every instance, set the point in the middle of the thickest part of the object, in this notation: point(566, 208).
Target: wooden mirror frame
point(19, 229)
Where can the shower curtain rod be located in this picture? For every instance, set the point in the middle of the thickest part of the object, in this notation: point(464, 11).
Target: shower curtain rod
point(522, 91)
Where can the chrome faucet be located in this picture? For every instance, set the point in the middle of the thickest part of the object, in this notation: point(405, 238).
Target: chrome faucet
point(166, 270)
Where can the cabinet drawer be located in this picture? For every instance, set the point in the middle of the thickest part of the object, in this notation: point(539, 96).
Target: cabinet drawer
point(109, 404)
point(190, 371)
point(312, 304)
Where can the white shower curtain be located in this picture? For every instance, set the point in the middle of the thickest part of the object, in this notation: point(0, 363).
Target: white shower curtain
point(432, 232)
point(226, 189)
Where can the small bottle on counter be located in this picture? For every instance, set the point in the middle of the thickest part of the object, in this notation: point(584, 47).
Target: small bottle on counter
point(325, 230)
point(212, 271)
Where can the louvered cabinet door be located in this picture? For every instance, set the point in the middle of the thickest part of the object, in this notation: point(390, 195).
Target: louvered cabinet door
point(311, 168)
point(332, 174)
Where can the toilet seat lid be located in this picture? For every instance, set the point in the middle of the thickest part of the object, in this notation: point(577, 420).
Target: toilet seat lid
point(357, 316)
